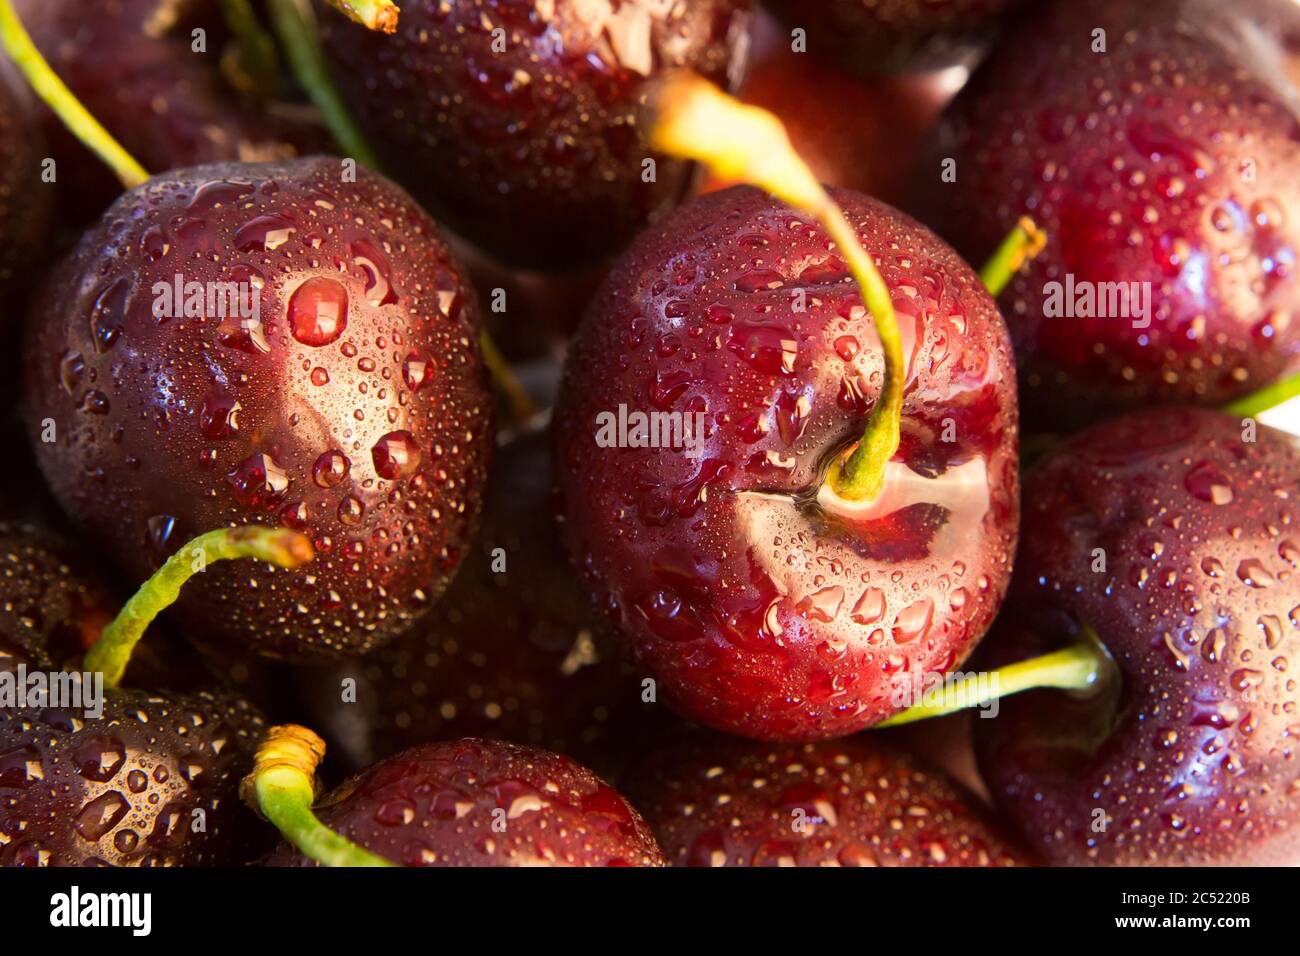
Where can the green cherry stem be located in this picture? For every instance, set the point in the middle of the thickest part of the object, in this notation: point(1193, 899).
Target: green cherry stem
point(60, 99)
point(112, 651)
point(378, 15)
point(295, 25)
point(1024, 242)
point(1078, 667)
point(1268, 397)
point(282, 787)
point(687, 116)
point(519, 403)
point(252, 62)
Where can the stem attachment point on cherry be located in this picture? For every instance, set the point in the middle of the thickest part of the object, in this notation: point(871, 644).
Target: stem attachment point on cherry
point(282, 788)
point(687, 116)
point(1023, 243)
point(378, 15)
point(1080, 667)
point(279, 546)
point(47, 85)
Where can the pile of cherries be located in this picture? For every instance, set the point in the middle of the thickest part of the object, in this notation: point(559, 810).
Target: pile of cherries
point(266, 377)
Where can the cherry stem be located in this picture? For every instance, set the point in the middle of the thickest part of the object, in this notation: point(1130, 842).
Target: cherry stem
point(688, 116)
point(111, 653)
point(282, 787)
point(295, 25)
point(519, 403)
point(378, 15)
point(255, 65)
point(1024, 242)
point(1269, 397)
point(1078, 667)
point(18, 42)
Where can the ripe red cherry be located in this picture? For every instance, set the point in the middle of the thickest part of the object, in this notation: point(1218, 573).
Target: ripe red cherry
point(1190, 756)
point(718, 802)
point(484, 803)
point(1172, 159)
point(150, 781)
point(516, 123)
point(134, 66)
point(24, 200)
point(511, 650)
point(762, 608)
point(351, 404)
point(873, 37)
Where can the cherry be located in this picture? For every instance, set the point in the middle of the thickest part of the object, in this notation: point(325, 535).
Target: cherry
point(510, 651)
point(766, 608)
point(853, 802)
point(464, 803)
point(1172, 159)
point(150, 779)
point(24, 202)
point(342, 394)
point(133, 65)
point(871, 36)
point(1171, 536)
point(538, 159)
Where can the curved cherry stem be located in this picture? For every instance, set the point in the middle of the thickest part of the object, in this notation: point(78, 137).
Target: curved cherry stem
point(1023, 243)
point(47, 85)
point(688, 116)
point(255, 65)
point(295, 25)
point(282, 787)
point(1078, 667)
point(1267, 398)
point(378, 15)
point(519, 403)
point(111, 653)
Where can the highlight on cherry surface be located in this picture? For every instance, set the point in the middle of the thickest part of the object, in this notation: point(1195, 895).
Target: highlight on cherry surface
point(282, 788)
point(1082, 668)
point(111, 653)
point(55, 93)
point(687, 116)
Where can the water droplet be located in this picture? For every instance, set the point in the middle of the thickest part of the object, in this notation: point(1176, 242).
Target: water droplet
point(330, 469)
point(259, 481)
point(318, 311)
point(396, 455)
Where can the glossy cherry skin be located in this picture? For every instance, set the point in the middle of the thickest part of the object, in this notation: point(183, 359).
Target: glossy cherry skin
point(24, 199)
point(1172, 159)
point(133, 65)
point(1190, 756)
point(515, 123)
point(354, 407)
point(761, 610)
point(125, 788)
point(714, 801)
point(484, 803)
point(874, 36)
point(511, 650)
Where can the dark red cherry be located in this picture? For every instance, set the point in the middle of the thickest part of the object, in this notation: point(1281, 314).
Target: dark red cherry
point(24, 199)
point(516, 123)
point(134, 65)
point(484, 803)
point(150, 781)
point(853, 802)
point(325, 377)
point(1174, 535)
point(763, 608)
point(874, 36)
point(510, 651)
point(1166, 167)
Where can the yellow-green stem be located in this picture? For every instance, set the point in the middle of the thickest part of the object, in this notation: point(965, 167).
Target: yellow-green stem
point(111, 653)
point(519, 403)
point(1269, 397)
point(1024, 242)
point(1078, 667)
point(378, 15)
point(61, 100)
point(282, 787)
point(688, 116)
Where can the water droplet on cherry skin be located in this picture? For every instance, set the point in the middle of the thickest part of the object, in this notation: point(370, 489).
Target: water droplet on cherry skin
point(318, 311)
